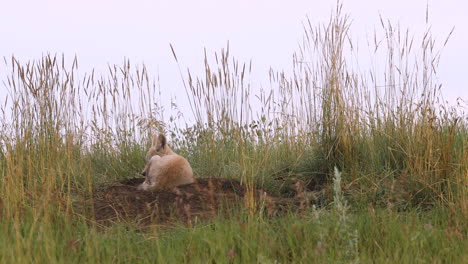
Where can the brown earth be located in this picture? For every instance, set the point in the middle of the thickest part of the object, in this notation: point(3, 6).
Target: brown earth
point(200, 200)
point(204, 199)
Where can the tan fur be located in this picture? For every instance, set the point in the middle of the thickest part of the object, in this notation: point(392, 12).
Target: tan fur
point(164, 168)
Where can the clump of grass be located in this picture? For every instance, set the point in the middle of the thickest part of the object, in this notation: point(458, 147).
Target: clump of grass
point(387, 128)
point(62, 135)
point(348, 235)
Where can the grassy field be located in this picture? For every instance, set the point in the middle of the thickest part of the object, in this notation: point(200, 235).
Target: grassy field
point(380, 161)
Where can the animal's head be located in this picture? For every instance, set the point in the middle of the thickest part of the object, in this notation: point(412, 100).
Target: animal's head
point(158, 147)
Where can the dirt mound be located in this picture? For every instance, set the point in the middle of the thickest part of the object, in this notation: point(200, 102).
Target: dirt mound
point(202, 199)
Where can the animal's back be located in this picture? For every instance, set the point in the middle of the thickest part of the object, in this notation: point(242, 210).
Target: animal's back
point(173, 170)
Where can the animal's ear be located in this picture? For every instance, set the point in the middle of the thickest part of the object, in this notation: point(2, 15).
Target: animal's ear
point(154, 140)
point(161, 141)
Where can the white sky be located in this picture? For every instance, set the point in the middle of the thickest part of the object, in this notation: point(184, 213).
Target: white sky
point(268, 32)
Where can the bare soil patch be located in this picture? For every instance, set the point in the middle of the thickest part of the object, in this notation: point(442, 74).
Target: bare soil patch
point(202, 199)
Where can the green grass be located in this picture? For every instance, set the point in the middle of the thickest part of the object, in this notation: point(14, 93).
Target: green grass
point(400, 195)
point(383, 236)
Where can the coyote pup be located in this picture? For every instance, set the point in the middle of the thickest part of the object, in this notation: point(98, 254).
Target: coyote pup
point(164, 168)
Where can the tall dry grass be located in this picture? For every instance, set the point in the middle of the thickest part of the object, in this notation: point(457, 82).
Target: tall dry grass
point(63, 132)
point(389, 130)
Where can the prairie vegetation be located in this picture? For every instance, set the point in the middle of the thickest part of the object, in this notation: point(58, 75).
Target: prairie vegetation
point(377, 160)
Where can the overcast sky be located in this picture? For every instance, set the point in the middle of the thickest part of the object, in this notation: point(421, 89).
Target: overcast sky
point(268, 32)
